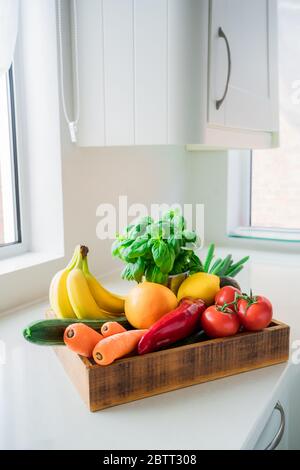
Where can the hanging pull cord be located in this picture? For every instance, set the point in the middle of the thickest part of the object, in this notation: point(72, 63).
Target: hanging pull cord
point(72, 124)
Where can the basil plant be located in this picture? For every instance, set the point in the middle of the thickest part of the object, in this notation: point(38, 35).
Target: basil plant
point(156, 250)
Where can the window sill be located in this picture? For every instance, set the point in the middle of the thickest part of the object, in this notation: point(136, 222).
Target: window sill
point(256, 233)
point(27, 260)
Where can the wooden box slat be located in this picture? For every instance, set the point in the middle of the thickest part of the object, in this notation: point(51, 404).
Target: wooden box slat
point(137, 377)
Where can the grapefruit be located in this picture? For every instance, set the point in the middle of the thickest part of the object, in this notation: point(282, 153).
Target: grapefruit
point(148, 302)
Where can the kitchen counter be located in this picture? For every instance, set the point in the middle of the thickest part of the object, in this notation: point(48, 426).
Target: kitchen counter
point(40, 408)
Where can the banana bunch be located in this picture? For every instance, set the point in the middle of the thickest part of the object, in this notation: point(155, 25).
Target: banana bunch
point(76, 293)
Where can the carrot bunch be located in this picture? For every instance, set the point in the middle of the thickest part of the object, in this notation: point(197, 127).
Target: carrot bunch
point(113, 343)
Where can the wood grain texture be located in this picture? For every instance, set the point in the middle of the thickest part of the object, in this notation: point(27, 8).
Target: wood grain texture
point(138, 377)
point(77, 370)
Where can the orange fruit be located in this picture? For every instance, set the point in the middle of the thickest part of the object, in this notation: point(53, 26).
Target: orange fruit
point(148, 302)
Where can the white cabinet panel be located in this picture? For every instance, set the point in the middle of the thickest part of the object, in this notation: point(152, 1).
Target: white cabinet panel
point(248, 102)
point(185, 80)
point(91, 126)
point(151, 71)
point(119, 71)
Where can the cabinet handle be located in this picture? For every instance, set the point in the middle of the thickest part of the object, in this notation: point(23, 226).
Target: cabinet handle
point(221, 34)
point(278, 436)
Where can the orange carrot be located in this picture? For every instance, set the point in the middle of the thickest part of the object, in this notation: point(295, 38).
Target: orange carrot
point(81, 339)
point(112, 328)
point(116, 346)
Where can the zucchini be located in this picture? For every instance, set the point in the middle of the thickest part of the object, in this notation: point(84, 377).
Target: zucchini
point(51, 332)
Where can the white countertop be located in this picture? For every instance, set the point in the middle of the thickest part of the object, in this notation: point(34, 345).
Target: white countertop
point(40, 408)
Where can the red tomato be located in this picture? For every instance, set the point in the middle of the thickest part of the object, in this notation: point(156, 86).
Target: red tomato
point(217, 324)
point(226, 295)
point(255, 316)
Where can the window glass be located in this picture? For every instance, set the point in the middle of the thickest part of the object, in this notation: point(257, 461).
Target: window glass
point(9, 213)
point(275, 195)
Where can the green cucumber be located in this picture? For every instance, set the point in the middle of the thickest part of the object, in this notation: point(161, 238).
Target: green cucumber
point(51, 332)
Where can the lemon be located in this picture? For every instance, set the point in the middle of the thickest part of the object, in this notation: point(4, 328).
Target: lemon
point(200, 286)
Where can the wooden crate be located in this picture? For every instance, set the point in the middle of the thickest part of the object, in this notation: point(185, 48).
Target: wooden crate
point(137, 377)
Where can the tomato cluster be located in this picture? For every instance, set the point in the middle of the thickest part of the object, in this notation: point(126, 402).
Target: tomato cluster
point(234, 311)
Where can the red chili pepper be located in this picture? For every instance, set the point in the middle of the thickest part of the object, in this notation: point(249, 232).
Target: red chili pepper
point(173, 326)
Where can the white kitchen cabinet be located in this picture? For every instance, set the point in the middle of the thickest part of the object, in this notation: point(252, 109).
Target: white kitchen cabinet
point(152, 72)
point(248, 29)
point(281, 430)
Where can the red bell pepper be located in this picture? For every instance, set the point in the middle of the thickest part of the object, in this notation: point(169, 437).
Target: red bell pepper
point(173, 326)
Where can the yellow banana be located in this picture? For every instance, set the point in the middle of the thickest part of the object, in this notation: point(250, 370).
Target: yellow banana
point(80, 295)
point(58, 294)
point(104, 299)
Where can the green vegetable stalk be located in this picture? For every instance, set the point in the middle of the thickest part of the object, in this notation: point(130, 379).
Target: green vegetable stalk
point(222, 267)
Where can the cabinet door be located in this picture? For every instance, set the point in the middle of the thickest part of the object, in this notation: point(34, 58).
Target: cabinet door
point(91, 126)
point(250, 29)
point(151, 71)
point(118, 62)
point(106, 72)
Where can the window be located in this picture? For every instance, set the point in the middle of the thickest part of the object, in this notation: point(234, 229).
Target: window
point(272, 191)
point(10, 226)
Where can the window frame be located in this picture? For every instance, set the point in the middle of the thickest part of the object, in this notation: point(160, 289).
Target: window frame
point(239, 186)
point(21, 245)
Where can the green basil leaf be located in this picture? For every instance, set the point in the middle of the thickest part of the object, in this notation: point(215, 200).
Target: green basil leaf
point(175, 243)
point(150, 243)
point(119, 245)
point(124, 253)
point(138, 269)
point(115, 248)
point(159, 277)
point(127, 272)
point(168, 262)
point(140, 228)
point(154, 274)
point(138, 247)
point(159, 251)
point(149, 272)
point(181, 263)
point(137, 231)
point(163, 255)
point(159, 229)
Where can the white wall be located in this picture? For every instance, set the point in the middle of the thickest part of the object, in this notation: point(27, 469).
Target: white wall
point(93, 176)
